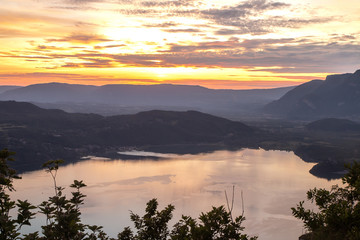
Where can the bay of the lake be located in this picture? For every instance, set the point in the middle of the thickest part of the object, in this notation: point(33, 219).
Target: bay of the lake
point(271, 181)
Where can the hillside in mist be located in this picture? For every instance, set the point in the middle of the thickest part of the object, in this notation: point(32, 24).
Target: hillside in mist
point(5, 88)
point(128, 99)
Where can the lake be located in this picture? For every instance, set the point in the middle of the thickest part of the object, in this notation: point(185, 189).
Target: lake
point(271, 181)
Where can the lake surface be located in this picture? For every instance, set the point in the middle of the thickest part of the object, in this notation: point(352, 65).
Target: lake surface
point(272, 182)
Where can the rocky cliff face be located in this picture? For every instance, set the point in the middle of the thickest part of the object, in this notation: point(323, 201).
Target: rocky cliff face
point(337, 96)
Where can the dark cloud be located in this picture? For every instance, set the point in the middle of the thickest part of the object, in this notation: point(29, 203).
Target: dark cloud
point(342, 37)
point(173, 27)
point(174, 3)
point(74, 7)
point(264, 26)
point(184, 30)
point(245, 9)
point(109, 46)
point(264, 43)
point(143, 12)
point(81, 2)
point(226, 31)
point(288, 58)
point(81, 38)
point(248, 17)
point(289, 55)
point(296, 22)
point(254, 27)
point(24, 55)
point(162, 25)
point(232, 43)
point(137, 3)
point(262, 5)
point(81, 24)
point(49, 48)
point(203, 46)
point(91, 63)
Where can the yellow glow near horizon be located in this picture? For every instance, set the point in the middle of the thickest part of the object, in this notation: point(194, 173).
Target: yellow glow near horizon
point(237, 44)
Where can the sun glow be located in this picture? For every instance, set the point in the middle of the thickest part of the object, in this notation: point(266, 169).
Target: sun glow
point(241, 41)
point(172, 73)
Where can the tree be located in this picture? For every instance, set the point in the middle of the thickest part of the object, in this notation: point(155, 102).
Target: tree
point(152, 226)
point(9, 226)
point(63, 220)
point(63, 215)
point(338, 215)
point(216, 224)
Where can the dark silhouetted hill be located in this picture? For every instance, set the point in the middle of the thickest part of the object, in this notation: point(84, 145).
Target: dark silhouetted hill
point(291, 99)
point(337, 96)
point(40, 134)
point(163, 127)
point(334, 125)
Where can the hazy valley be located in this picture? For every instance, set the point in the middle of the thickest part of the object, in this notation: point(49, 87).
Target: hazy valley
point(129, 99)
point(316, 121)
point(269, 121)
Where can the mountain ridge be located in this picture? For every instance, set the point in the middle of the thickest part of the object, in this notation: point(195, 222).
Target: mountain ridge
point(337, 96)
point(120, 98)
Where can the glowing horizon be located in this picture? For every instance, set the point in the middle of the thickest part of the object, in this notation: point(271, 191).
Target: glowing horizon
point(242, 44)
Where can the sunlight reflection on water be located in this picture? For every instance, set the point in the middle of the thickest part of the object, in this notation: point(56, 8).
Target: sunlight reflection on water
point(272, 183)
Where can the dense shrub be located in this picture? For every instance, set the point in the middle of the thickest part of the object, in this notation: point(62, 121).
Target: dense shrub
point(338, 215)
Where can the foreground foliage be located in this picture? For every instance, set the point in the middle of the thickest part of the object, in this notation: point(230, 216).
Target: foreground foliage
point(338, 215)
point(215, 224)
point(10, 226)
point(63, 216)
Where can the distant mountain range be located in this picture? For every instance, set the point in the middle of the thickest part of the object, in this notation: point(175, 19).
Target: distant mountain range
point(129, 99)
point(337, 96)
point(39, 134)
point(7, 88)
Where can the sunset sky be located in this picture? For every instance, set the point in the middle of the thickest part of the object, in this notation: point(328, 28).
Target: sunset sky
point(217, 44)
